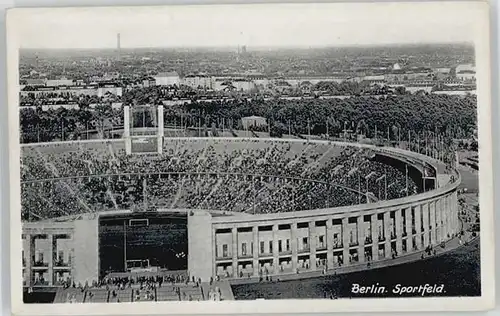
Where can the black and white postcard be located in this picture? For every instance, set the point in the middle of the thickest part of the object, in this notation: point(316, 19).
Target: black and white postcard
point(258, 158)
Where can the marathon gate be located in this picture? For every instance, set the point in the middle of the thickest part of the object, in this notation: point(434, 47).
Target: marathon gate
point(143, 129)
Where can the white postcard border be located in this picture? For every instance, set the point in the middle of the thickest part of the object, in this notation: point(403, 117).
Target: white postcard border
point(18, 17)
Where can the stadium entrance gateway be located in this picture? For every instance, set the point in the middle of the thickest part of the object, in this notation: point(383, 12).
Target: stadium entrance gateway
point(143, 129)
point(144, 242)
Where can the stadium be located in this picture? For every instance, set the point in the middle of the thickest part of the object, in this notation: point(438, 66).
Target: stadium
point(111, 220)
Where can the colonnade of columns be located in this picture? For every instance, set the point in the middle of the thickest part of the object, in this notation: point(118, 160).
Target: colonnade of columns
point(31, 263)
point(391, 233)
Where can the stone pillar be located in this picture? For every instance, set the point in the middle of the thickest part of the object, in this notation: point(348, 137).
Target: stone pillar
point(345, 240)
point(213, 252)
point(275, 249)
point(255, 263)
point(425, 220)
point(361, 239)
point(51, 242)
point(448, 216)
point(126, 129)
point(452, 214)
point(418, 226)
point(329, 243)
point(374, 230)
point(29, 253)
point(432, 222)
point(441, 218)
point(387, 234)
point(409, 231)
point(312, 245)
point(456, 222)
point(438, 221)
point(234, 250)
point(399, 232)
point(160, 129)
point(293, 241)
point(444, 228)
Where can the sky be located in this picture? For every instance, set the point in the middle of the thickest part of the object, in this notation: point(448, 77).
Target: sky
point(270, 25)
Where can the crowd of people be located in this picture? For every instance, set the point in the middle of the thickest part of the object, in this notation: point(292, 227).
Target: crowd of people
point(144, 288)
point(253, 176)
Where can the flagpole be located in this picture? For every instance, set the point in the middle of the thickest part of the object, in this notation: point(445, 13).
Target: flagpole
point(379, 190)
point(406, 167)
point(366, 190)
point(308, 129)
point(125, 244)
point(144, 194)
point(409, 140)
point(426, 147)
point(385, 182)
point(359, 188)
point(418, 142)
point(345, 130)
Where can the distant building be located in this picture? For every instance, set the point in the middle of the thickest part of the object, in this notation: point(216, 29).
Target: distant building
point(198, 81)
point(409, 74)
point(254, 121)
point(106, 88)
point(148, 82)
point(59, 82)
point(167, 79)
point(442, 73)
point(374, 79)
point(396, 66)
point(442, 70)
point(38, 91)
point(35, 82)
point(465, 72)
point(465, 67)
point(233, 84)
point(466, 75)
point(297, 80)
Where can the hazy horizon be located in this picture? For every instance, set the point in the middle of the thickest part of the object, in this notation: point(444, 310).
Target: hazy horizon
point(256, 48)
point(265, 26)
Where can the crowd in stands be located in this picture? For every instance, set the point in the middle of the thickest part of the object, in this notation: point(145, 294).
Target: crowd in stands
point(253, 176)
point(138, 288)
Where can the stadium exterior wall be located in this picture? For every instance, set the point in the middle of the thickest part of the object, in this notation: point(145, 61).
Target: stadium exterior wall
point(372, 232)
point(243, 245)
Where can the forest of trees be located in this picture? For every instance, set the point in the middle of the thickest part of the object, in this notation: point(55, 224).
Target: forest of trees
point(445, 115)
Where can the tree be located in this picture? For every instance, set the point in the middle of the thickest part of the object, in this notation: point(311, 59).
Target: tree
point(101, 117)
point(395, 131)
point(362, 127)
